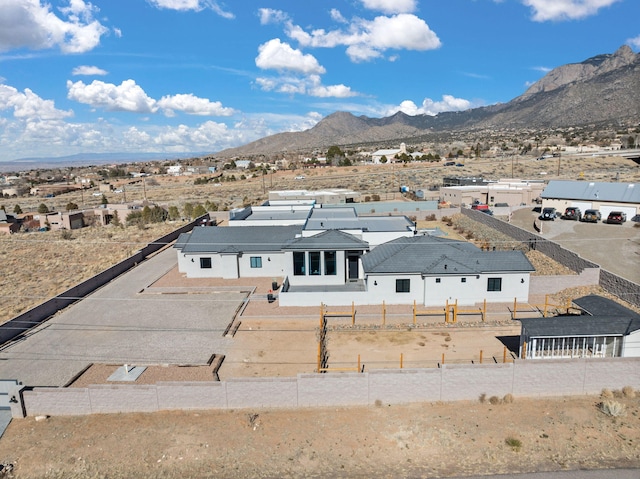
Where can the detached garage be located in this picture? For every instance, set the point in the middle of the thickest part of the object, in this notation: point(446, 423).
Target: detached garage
point(606, 197)
point(605, 329)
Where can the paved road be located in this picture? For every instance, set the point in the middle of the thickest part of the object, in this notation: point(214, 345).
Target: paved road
point(124, 322)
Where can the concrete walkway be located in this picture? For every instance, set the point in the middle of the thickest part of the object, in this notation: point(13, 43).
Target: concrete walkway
point(125, 322)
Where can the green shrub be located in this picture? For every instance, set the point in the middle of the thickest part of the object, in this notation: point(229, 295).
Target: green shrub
point(513, 443)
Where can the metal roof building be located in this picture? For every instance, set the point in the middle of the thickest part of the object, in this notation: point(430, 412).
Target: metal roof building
point(599, 195)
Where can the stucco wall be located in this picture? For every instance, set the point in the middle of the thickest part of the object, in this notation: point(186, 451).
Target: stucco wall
point(447, 383)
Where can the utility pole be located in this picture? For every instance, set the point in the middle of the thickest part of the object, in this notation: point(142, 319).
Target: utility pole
point(559, 157)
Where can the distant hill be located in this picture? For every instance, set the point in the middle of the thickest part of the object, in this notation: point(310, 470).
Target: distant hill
point(85, 159)
point(600, 90)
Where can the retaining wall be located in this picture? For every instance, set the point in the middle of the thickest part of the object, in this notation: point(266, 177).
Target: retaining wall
point(616, 285)
point(389, 386)
point(37, 315)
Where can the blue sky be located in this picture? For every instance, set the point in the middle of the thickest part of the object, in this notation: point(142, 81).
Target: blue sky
point(183, 76)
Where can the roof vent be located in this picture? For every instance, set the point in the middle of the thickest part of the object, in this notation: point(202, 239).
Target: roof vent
point(592, 184)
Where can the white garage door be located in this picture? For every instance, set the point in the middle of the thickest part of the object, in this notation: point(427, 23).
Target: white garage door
point(605, 210)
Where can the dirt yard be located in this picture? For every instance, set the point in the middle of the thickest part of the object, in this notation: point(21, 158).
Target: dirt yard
point(417, 440)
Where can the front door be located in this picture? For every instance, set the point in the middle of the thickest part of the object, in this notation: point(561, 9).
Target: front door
point(352, 267)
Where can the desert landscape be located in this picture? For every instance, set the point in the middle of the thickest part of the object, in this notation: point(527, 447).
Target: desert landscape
point(491, 435)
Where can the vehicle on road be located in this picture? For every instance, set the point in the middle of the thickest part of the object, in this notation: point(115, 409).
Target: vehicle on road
point(616, 218)
point(548, 214)
point(572, 213)
point(591, 216)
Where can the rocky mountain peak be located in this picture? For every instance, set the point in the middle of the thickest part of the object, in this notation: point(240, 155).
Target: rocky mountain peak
point(584, 71)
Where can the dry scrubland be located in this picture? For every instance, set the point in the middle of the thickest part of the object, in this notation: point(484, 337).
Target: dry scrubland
point(38, 266)
point(491, 435)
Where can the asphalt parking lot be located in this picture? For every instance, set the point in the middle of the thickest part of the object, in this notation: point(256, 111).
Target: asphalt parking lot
point(125, 322)
point(616, 248)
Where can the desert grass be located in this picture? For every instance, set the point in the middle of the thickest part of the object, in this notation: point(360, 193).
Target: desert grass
point(38, 266)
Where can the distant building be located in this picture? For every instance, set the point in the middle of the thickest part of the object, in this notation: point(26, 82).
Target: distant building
point(174, 170)
point(511, 192)
point(334, 196)
point(390, 154)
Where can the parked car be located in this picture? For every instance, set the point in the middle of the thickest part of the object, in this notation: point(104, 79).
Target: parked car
point(616, 218)
point(548, 214)
point(591, 216)
point(479, 206)
point(572, 213)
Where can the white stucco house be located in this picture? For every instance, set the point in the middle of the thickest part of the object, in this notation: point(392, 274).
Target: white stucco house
point(336, 267)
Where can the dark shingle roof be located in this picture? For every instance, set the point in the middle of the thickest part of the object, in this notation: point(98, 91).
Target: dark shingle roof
point(563, 326)
point(235, 239)
point(603, 317)
point(431, 255)
point(333, 239)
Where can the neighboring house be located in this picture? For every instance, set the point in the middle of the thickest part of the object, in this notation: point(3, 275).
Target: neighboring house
point(374, 230)
point(389, 154)
point(106, 213)
point(174, 170)
point(511, 192)
point(68, 220)
point(606, 197)
point(335, 196)
point(8, 223)
point(337, 268)
point(605, 329)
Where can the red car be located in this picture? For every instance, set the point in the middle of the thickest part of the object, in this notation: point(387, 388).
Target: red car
point(616, 218)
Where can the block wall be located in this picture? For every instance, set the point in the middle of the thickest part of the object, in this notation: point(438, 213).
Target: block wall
point(522, 378)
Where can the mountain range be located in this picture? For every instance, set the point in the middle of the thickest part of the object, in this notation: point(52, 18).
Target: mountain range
point(600, 91)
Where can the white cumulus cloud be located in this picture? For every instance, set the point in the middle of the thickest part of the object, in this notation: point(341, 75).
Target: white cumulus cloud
point(277, 55)
point(128, 96)
point(634, 42)
point(30, 24)
point(555, 10)
point(193, 105)
point(88, 70)
point(390, 6)
point(131, 97)
point(308, 85)
point(430, 107)
point(368, 39)
point(29, 106)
